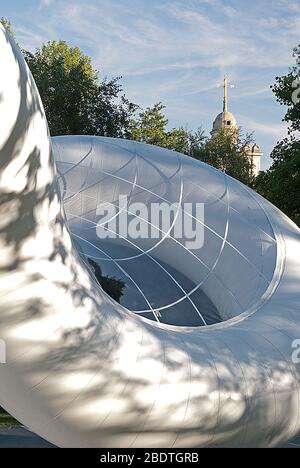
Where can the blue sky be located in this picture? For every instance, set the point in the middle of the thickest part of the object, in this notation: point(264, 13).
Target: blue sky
point(178, 51)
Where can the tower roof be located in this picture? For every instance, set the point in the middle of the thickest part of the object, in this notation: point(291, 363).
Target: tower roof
point(225, 119)
point(256, 149)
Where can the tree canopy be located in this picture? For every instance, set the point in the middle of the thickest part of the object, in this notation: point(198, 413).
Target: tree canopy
point(74, 100)
point(151, 127)
point(227, 151)
point(287, 92)
point(281, 183)
point(7, 25)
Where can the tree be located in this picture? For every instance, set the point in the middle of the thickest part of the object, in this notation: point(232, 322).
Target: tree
point(111, 112)
point(227, 151)
point(281, 183)
point(75, 102)
point(151, 127)
point(112, 286)
point(7, 25)
point(287, 92)
point(196, 141)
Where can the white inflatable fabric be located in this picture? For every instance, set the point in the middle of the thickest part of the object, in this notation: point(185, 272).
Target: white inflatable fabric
point(206, 363)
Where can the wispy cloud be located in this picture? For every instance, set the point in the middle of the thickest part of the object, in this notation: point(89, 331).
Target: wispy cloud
point(177, 51)
point(276, 130)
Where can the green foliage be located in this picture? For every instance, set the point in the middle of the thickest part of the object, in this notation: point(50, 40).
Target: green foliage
point(7, 25)
point(281, 183)
point(112, 286)
point(151, 128)
point(74, 101)
point(196, 142)
point(287, 92)
point(6, 419)
point(66, 80)
point(227, 151)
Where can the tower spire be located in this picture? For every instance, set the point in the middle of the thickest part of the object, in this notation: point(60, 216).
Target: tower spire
point(225, 101)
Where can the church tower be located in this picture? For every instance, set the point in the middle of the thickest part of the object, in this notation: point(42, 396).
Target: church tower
point(226, 120)
point(256, 156)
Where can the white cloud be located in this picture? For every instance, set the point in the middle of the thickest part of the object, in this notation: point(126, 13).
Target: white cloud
point(277, 130)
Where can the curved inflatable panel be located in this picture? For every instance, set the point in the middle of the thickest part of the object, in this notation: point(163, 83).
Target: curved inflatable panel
point(196, 348)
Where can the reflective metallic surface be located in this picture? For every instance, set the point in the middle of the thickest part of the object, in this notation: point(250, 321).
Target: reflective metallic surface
point(166, 280)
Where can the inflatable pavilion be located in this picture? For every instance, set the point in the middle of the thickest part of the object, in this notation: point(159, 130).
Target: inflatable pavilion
point(194, 348)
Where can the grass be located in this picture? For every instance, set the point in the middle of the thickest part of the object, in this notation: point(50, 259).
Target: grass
point(6, 419)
